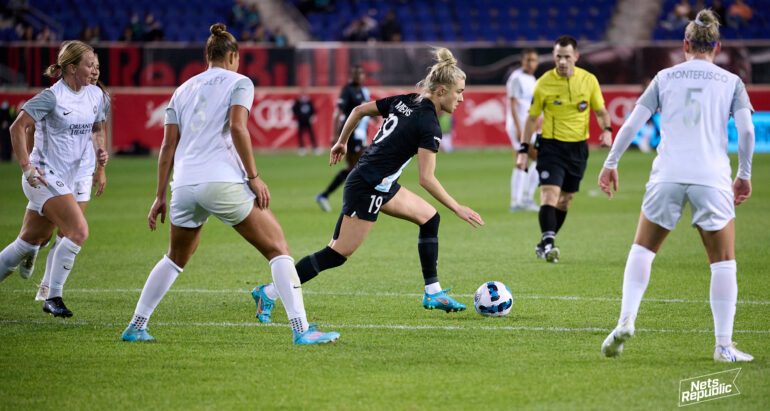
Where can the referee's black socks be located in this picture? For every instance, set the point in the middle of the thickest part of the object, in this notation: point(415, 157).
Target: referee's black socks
point(548, 223)
point(560, 216)
point(427, 247)
point(309, 266)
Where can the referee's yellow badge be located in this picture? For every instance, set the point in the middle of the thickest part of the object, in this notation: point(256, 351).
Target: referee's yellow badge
point(582, 106)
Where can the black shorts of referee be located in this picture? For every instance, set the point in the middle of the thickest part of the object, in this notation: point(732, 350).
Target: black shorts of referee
point(561, 163)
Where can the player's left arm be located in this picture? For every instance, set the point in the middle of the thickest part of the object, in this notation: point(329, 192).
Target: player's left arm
point(745, 127)
point(98, 140)
point(602, 115)
point(100, 176)
point(427, 164)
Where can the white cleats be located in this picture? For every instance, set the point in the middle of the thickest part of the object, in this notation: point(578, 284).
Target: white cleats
point(42, 292)
point(728, 353)
point(613, 344)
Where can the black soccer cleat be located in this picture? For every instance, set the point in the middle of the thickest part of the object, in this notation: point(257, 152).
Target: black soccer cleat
point(56, 307)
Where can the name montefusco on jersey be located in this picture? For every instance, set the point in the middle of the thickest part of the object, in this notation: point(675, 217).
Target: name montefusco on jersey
point(80, 129)
point(697, 75)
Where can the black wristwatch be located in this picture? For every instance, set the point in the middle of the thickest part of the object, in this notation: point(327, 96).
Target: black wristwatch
point(523, 148)
point(608, 128)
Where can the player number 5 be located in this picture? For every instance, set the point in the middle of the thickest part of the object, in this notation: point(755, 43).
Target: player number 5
point(692, 108)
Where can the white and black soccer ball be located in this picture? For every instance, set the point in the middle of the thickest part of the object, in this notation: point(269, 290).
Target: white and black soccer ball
point(493, 299)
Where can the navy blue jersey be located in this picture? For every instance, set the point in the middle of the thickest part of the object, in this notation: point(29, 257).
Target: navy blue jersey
point(351, 97)
point(409, 125)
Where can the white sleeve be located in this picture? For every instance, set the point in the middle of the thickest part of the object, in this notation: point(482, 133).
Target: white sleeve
point(626, 135)
point(745, 142)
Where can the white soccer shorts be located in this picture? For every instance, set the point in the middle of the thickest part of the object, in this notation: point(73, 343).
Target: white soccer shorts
point(82, 191)
point(711, 207)
point(191, 205)
point(38, 196)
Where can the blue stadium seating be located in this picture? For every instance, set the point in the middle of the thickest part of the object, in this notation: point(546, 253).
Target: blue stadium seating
point(181, 20)
point(478, 20)
point(757, 27)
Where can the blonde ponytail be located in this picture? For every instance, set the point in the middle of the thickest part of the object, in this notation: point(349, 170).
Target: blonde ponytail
point(445, 72)
point(703, 32)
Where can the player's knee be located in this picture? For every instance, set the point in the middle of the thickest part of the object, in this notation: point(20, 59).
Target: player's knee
point(430, 228)
point(79, 234)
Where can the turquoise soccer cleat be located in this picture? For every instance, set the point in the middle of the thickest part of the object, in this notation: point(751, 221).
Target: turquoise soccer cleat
point(313, 336)
point(441, 301)
point(132, 334)
point(264, 303)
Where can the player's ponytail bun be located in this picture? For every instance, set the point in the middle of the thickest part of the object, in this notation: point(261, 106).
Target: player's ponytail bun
point(703, 32)
point(220, 43)
point(445, 72)
point(71, 52)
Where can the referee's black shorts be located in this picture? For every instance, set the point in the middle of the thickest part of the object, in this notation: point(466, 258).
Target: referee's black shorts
point(561, 163)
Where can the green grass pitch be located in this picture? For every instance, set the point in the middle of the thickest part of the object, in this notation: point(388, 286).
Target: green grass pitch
point(211, 353)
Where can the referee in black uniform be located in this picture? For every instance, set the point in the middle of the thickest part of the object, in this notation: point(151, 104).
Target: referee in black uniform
point(352, 95)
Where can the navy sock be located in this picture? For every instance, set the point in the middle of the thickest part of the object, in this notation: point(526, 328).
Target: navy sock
point(427, 247)
point(560, 216)
point(309, 266)
point(338, 180)
point(547, 219)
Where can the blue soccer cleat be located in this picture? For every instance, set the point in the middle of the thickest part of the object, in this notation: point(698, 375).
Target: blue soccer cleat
point(132, 334)
point(313, 336)
point(264, 303)
point(441, 301)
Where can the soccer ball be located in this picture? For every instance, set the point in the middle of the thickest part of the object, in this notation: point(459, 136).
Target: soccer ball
point(493, 299)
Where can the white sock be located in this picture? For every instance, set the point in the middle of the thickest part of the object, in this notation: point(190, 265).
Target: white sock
point(635, 280)
point(61, 265)
point(289, 288)
point(271, 292)
point(433, 288)
point(12, 255)
point(49, 262)
point(724, 294)
point(517, 185)
point(158, 282)
point(533, 180)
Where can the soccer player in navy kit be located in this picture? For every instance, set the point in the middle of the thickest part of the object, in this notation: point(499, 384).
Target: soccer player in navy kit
point(352, 95)
point(411, 127)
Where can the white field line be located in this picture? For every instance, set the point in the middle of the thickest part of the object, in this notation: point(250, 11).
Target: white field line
point(374, 326)
point(391, 294)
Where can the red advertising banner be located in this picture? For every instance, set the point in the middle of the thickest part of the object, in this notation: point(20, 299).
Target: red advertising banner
point(138, 115)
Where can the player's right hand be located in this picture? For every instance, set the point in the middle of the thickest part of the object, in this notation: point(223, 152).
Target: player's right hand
point(33, 175)
point(337, 153)
point(466, 213)
point(607, 177)
point(158, 207)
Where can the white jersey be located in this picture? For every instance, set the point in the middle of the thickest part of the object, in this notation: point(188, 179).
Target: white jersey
point(201, 108)
point(520, 86)
point(696, 99)
point(63, 123)
point(88, 162)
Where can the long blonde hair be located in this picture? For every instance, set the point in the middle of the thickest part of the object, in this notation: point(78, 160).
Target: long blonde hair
point(71, 52)
point(445, 72)
point(703, 32)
